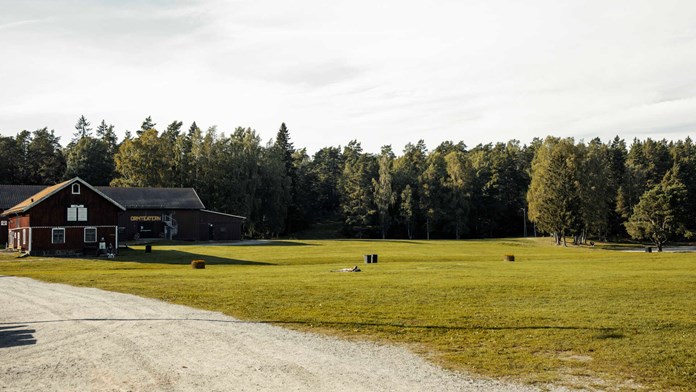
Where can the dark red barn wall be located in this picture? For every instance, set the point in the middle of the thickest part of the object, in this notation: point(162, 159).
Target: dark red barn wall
point(74, 241)
point(219, 227)
point(54, 210)
point(3, 231)
point(130, 222)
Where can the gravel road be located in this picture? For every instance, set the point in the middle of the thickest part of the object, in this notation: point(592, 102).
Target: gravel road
point(56, 337)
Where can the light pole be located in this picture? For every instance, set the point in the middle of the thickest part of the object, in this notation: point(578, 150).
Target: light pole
point(524, 220)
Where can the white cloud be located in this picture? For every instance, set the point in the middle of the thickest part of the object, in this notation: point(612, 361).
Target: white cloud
point(379, 72)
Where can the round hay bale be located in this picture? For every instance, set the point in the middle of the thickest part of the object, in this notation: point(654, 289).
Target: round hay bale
point(198, 264)
point(509, 258)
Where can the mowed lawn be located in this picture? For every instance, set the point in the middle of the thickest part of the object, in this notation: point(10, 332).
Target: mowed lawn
point(575, 316)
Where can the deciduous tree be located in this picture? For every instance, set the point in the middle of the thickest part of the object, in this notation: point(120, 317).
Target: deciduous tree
point(659, 214)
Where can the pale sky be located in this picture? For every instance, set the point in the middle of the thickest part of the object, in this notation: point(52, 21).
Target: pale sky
point(381, 72)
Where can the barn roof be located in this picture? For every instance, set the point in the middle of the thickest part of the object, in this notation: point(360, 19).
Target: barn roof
point(45, 193)
point(223, 214)
point(132, 198)
point(11, 195)
point(155, 198)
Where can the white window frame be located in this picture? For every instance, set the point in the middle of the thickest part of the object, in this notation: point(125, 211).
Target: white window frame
point(77, 214)
point(75, 189)
point(53, 231)
point(95, 235)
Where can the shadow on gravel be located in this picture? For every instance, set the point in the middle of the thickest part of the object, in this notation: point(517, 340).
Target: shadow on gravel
point(130, 319)
point(15, 335)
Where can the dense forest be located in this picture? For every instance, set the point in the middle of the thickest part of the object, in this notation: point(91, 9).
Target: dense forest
point(557, 186)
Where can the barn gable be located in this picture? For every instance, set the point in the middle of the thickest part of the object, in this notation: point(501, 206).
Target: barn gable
point(46, 193)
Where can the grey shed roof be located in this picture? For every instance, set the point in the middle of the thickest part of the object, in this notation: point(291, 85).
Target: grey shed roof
point(155, 198)
point(11, 195)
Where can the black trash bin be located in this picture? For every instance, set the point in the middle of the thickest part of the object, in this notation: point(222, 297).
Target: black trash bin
point(648, 249)
point(368, 259)
point(374, 259)
point(148, 248)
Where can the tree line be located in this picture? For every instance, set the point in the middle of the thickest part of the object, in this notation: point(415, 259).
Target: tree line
point(556, 186)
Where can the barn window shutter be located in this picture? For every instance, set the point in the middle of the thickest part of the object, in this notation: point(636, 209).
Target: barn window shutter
point(72, 214)
point(82, 214)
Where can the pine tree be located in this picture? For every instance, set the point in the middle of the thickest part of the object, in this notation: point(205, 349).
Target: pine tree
point(45, 160)
point(553, 197)
point(407, 209)
point(107, 135)
point(82, 129)
point(326, 169)
point(595, 189)
point(382, 187)
point(458, 184)
point(432, 200)
point(288, 206)
point(357, 202)
point(90, 160)
point(9, 168)
point(146, 126)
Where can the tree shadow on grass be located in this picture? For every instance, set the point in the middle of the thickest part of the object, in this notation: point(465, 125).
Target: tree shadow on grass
point(276, 243)
point(176, 257)
point(378, 241)
point(603, 331)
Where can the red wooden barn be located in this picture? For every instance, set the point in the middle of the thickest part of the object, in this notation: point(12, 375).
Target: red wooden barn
point(65, 219)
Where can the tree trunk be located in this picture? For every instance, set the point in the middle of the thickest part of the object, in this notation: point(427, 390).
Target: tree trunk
point(427, 228)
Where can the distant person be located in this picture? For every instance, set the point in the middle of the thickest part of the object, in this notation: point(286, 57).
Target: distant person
point(102, 247)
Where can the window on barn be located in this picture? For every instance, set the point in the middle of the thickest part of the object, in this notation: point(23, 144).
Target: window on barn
point(57, 236)
point(77, 214)
point(75, 189)
point(82, 214)
point(90, 234)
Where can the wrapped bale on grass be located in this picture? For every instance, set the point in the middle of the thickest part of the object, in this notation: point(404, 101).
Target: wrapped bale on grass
point(198, 264)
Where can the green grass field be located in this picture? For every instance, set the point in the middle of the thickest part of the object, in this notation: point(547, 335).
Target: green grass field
point(573, 316)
